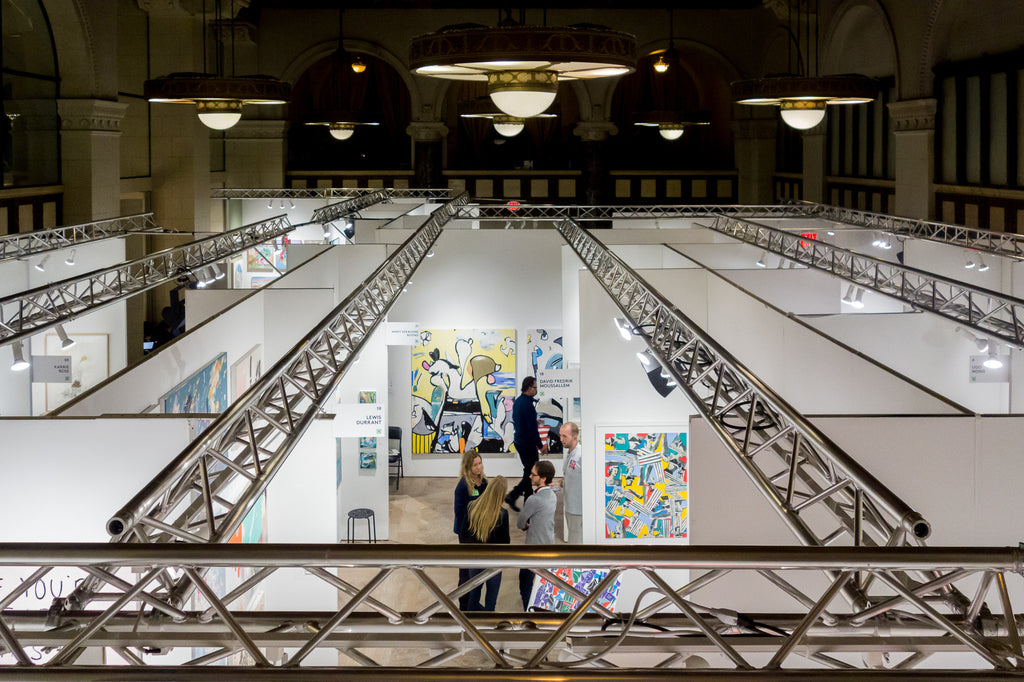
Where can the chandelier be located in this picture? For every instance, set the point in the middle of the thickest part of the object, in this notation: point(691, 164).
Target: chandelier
point(803, 96)
point(523, 65)
point(218, 98)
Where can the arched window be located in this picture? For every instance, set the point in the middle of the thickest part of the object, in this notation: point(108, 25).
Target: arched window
point(31, 131)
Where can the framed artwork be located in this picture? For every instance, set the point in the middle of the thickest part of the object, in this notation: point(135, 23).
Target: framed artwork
point(205, 392)
point(367, 446)
point(543, 350)
point(246, 371)
point(463, 387)
point(90, 365)
point(237, 273)
point(646, 483)
point(269, 252)
point(547, 596)
point(257, 282)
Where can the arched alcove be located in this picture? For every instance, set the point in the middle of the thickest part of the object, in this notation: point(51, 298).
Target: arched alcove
point(378, 94)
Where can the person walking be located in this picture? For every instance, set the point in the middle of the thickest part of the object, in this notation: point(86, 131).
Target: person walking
point(538, 520)
point(572, 483)
point(526, 438)
point(487, 522)
point(471, 485)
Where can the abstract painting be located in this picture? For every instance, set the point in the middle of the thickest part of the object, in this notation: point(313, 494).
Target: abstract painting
point(205, 392)
point(463, 387)
point(544, 350)
point(257, 257)
point(367, 446)
point(547, 596)
point(90, 365)
point(646, 485)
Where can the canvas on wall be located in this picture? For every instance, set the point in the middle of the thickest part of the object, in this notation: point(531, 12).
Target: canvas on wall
point(367, 446)
point(646, 484)
point(259, 258)
point(90, 365)
point(543, 349)
point(246, 371)
point(463, 387)
point(205, 392)
point(547, 596)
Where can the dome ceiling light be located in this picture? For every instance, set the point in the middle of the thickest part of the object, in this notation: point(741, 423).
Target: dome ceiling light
point(523, 65)
point(218, 98)
point(340, 125)
point(507, 126)
point(801, 96)
point(671, 125)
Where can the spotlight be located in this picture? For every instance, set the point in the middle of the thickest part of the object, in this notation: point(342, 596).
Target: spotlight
point(431, 254)
point(625, 329)
point(980, 342)
point(20, 363)
point(217, 274)
point(291, 204)
point(857, 302)
point(763, 262)
point(853, 297)
point(70, 260)
point(848, 298)
point(327, 232)
point(65, 341)
point(970, 262)
point(270, 204)
point(830, 233)
point(982, 265)
point(41, 265)
point(993, 361)
point(645, 359)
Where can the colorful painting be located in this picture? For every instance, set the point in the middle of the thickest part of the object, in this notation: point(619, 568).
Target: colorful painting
point(237, 273)
point(646, 485)
point(257, 282)
point(90, 365)
point(367, 446)
point(544, 349)
point(246, 371)
point(547, 596)
point(256, 259)
point(205, 392)
point(463, 387)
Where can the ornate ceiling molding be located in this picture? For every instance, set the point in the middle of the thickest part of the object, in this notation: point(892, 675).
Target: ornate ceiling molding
point(91, 115)
point(913, 114)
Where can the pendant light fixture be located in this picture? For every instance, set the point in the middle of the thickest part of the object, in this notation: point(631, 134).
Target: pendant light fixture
point(342, 124)
point(218, 98)
point(670, 124)
point(522, 65)
point(668, 57)
point(802, 95)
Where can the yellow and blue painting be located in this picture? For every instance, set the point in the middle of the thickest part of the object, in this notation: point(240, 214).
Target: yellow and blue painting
point(646, 485)
point(463, 387)
point(205, 392)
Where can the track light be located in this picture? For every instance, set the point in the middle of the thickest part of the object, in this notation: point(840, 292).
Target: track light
point(982, 265)
point(431, 254)
point(70, 260)
point(763, 262)
point(980, 342)
point(270, 204)
point(970, 262)
point(993, 361)
point(645, 359)
point(327, 232)
point(65, 341)
point(830, 233)
point(625, 329)
point(20, 363)
point(853, 297)
point(848, 298)
point(41, 265)
point(217, 274)
point(291, 203)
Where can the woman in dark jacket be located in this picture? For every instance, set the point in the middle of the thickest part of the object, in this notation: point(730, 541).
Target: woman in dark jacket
point(470, 486)
point(487, 522)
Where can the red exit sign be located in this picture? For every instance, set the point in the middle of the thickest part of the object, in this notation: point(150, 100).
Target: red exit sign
point(808, 235)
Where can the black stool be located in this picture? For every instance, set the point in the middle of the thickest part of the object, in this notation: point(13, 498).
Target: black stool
point(371, 523)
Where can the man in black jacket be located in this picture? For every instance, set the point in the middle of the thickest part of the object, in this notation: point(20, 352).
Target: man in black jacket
point(526, 439)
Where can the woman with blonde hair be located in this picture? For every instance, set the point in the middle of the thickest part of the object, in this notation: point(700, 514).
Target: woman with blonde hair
point(470, 486)
point(487, 522)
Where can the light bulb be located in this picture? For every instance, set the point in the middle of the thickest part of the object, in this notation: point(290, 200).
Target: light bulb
point(358, 65)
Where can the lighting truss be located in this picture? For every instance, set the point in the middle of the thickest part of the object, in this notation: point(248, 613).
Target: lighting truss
point(988, 312)
point(347, 207)
point(616, 212)
point(817, 636)
point(328, 193)
point(822, 494)
point(26, 313)
point(203, 495)
point(999, 243)
point(22, 245)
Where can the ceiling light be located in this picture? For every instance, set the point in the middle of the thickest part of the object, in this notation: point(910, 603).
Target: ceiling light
point(625, 329)
point(508, 126)
point(802, 114)
point(20, 363)
point(70, 260)
point(327, 232)
point(358, 65)
point(671, 124)
point(431, 254)
point(342, 131)
point(523, 65)
point(830, 233)
point(848, 298)
point(65, 341)
point(41, 265)
point(670, 131)
point(993, 361)
point(341, 125)
point(661, 66)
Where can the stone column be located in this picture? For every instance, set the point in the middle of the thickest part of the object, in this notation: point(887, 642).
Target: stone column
point(90, 137)
point(814, 143)
point(755, 158)
point(428, 162)
point(597, 188)
point(914, 125)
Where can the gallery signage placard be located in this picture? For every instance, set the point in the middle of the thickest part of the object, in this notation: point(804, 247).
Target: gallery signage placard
point(359, 420)
point(403, 333)
point(980, 374)
point(51, 369)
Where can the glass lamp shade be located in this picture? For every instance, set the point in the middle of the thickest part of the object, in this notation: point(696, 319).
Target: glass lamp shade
point(508, 126)
point(219, 114)
point(341, 131)
point(802, 114)
point(522, 103)
point(661, 66)
point(522, 94)
point(670, 133)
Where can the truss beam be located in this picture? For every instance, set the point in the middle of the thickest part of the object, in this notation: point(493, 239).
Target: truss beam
point(29, 312)
point(615, 212)
point(329, 193)
point(23, 245)
point(731, 637)
point(988, 312)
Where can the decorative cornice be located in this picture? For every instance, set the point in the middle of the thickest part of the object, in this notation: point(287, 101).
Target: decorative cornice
point(91, 115)
point(257, 129)
point(594, 131)
point(426, 131)
point(913, 114)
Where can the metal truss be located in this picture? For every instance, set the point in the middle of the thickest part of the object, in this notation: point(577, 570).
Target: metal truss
point(669, 621)
point(613, 212)
point(999, 243)
point(22, 245)
point(348, 207)
point(203, 495)
point(988, 312)
point(819, 491)
point(329, 193)
point(28, 312)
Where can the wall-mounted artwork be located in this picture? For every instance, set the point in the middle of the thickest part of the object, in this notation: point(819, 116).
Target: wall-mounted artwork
point(257, 282)
point(238, 280)
point(246, 371)
point(367, 446)
point(90, 364)
point(547, 596)
point(543, 349)
point(646, 484)
point(204, 392)
point(463, 387)
point(256, 259)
